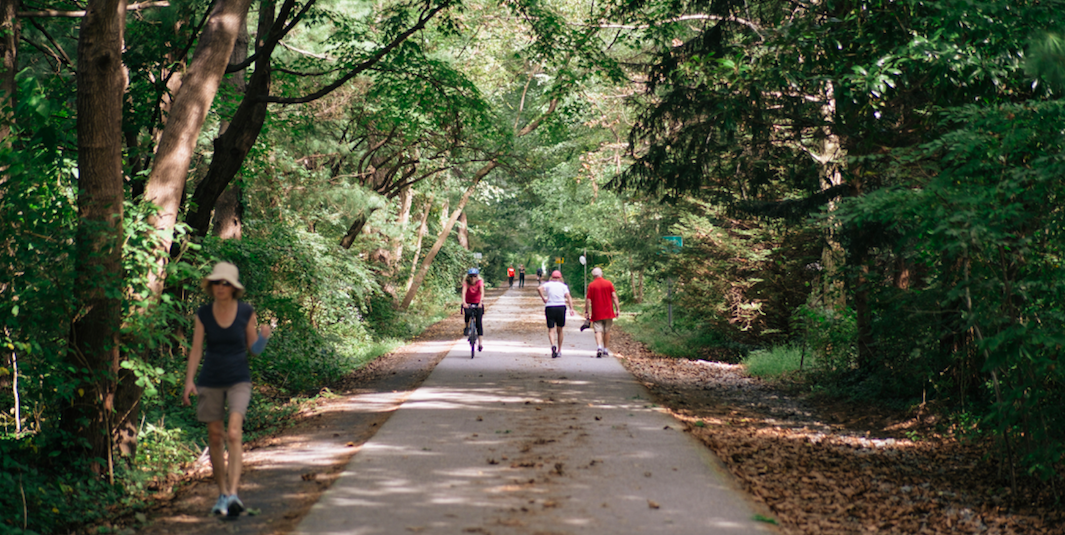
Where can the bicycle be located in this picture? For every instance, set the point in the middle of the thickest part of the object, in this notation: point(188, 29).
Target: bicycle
point(475, 311)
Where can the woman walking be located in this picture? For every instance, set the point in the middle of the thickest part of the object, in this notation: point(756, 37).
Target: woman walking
point(557, 300)
point(225, 332)
point(472, 306)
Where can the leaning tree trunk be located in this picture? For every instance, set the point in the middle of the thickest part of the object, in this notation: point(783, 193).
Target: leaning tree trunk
point(464, 232)
point(227, 221)
point(356, 227)
point(166, 182)
point(231, 148)
point(424, 270)
point(94, 334)
point(423, 227)
point(406, 200)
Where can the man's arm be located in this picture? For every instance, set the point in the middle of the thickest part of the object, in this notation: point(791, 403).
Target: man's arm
point(617, 303)
point(540, 290)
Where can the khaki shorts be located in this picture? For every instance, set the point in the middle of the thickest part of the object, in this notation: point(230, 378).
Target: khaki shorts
point(211, 401)
point(602, 326)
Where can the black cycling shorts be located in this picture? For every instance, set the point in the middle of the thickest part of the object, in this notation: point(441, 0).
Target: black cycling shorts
point(555, 316)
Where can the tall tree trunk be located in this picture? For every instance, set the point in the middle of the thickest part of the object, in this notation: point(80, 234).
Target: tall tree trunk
point(232, 147)
point(406, 200)
point(444, 233)
point(464, 232)
point(94, 336)
point(174, 63)
point(166, 182)
point(228, 212)
point(831, 153)
point(423, 228)
point(9, 35)
point(445, 212)
point(388, 255)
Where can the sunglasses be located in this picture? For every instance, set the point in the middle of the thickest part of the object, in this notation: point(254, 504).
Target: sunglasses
point(223, 283)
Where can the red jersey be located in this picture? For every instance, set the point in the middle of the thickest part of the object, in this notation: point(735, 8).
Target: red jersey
point(601, 294)
point(510, 272)
point(475, 291)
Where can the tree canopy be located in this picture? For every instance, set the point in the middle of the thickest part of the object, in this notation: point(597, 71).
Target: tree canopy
point(876, 180)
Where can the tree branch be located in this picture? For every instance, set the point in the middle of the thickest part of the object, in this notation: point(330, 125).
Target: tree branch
point(61, 54)
point(360, 68)
point(754, 27)
point(52, 13)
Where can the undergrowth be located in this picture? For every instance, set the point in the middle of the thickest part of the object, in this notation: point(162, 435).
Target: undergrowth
point(777, 361)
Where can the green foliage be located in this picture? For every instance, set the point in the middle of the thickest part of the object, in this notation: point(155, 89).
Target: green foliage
point(1046, 59)
point(949, 237)
point(688, 338)
point(988, 254)
point(830, 334)
point(777, 361)
point(316, 298)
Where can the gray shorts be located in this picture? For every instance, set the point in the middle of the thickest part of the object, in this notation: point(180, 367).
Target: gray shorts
point(211, 401)
point(602, 326)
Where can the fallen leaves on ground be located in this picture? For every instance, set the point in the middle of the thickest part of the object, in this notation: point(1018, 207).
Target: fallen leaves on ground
point(815, 474)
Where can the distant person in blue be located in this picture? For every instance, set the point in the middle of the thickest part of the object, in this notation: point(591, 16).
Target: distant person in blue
point(225, 332)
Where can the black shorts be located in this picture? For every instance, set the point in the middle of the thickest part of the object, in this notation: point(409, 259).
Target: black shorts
point(555, 316)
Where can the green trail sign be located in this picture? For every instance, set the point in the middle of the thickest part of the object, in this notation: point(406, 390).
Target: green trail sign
point(673, 243)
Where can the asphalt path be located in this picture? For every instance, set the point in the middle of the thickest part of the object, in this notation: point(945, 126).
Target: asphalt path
point(515, 442)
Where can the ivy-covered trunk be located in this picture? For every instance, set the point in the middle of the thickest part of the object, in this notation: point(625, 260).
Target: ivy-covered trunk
point(94, 336)
point(9, 36)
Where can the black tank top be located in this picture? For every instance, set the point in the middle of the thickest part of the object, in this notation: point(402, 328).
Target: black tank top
point(225, 355)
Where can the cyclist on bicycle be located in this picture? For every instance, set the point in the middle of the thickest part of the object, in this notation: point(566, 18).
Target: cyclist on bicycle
point(472, 294)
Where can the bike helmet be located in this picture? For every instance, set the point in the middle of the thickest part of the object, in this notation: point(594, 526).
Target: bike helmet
point(473, 271)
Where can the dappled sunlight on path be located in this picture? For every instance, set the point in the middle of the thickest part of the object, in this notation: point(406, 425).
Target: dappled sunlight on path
point(513, 441)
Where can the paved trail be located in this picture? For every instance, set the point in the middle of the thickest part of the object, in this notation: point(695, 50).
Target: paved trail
point(515, 442)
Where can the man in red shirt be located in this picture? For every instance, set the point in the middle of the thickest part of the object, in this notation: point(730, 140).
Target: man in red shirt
point(601, 306)
point(510, 275)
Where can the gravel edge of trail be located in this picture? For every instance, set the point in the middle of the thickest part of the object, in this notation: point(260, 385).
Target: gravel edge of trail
point(835, 468)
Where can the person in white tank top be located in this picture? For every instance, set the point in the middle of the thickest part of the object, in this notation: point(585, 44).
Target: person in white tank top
point(555, 295)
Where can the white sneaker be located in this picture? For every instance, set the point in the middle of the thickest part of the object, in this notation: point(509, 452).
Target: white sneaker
point(220, 506)
point(234, 507)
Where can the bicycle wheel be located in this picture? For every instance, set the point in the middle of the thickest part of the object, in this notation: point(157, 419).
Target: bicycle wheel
point(475, 319)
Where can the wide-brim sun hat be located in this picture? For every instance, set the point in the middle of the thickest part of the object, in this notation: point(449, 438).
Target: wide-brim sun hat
point(224, 271)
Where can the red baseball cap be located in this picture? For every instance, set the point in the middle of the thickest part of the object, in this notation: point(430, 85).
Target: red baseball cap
point(556, 273)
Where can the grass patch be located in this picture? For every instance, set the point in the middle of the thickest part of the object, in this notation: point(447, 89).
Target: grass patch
point(677, 344)
point(775, 361)
point(688, 338)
